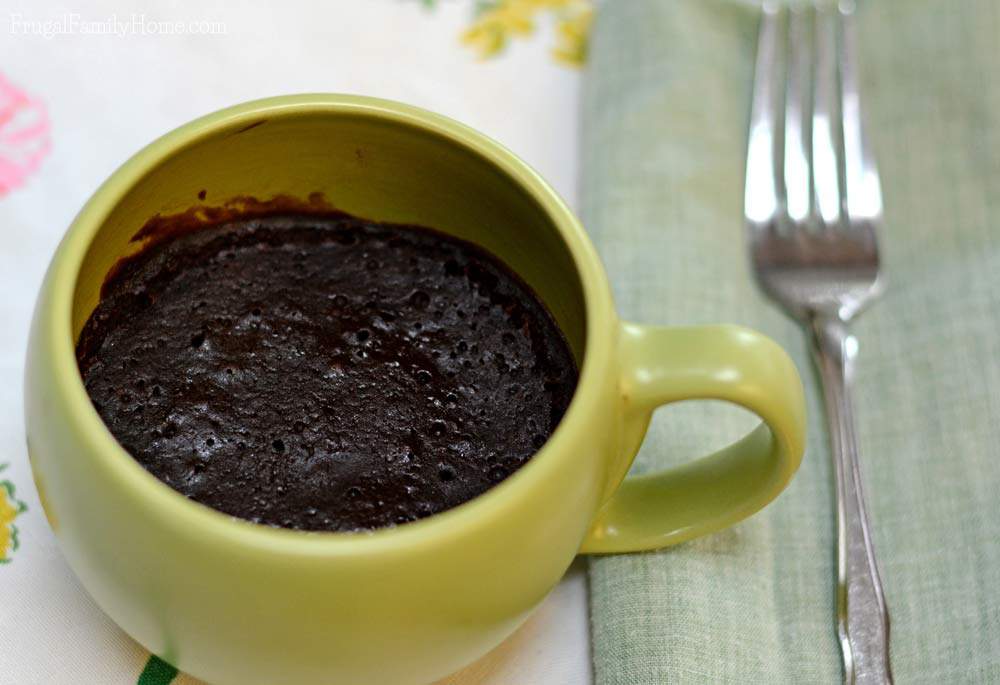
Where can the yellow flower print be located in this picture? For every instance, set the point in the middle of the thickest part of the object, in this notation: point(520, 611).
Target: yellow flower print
point(10, 507)
point(501, 20)
point(574, 34)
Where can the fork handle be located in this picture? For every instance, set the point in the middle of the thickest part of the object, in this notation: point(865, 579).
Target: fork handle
point(862, 619)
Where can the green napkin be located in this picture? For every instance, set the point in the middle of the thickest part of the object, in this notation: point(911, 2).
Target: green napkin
point(665, 117)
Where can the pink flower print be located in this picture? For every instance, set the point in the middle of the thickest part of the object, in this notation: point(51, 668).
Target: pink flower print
point(24, 135)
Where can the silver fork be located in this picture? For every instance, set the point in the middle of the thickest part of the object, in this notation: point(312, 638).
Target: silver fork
point(813, 205)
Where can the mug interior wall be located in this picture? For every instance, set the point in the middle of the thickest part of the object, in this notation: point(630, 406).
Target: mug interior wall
point(370, 167)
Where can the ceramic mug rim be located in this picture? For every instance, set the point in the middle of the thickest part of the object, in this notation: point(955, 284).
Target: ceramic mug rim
point(598, 348)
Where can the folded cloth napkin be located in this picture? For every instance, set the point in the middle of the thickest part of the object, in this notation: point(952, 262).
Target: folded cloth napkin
point(666, 107)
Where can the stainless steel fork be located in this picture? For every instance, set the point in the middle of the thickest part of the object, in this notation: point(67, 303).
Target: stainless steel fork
point(813, 205)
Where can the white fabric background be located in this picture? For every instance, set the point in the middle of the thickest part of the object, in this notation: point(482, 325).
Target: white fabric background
point(107, 96)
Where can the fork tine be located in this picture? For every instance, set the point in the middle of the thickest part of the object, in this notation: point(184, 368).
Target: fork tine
point(825, 138)
point(760, 200)
point(796, 166)
point(864, 191)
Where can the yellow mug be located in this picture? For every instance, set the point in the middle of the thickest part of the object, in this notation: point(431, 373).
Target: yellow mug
point(237, 603)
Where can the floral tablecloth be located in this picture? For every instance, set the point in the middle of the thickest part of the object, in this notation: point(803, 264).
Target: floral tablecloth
point(84, 86)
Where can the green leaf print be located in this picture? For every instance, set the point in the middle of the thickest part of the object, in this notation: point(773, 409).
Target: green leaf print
point(157, 672)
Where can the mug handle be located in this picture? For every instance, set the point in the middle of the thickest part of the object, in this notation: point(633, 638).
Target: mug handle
point(660, 365)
